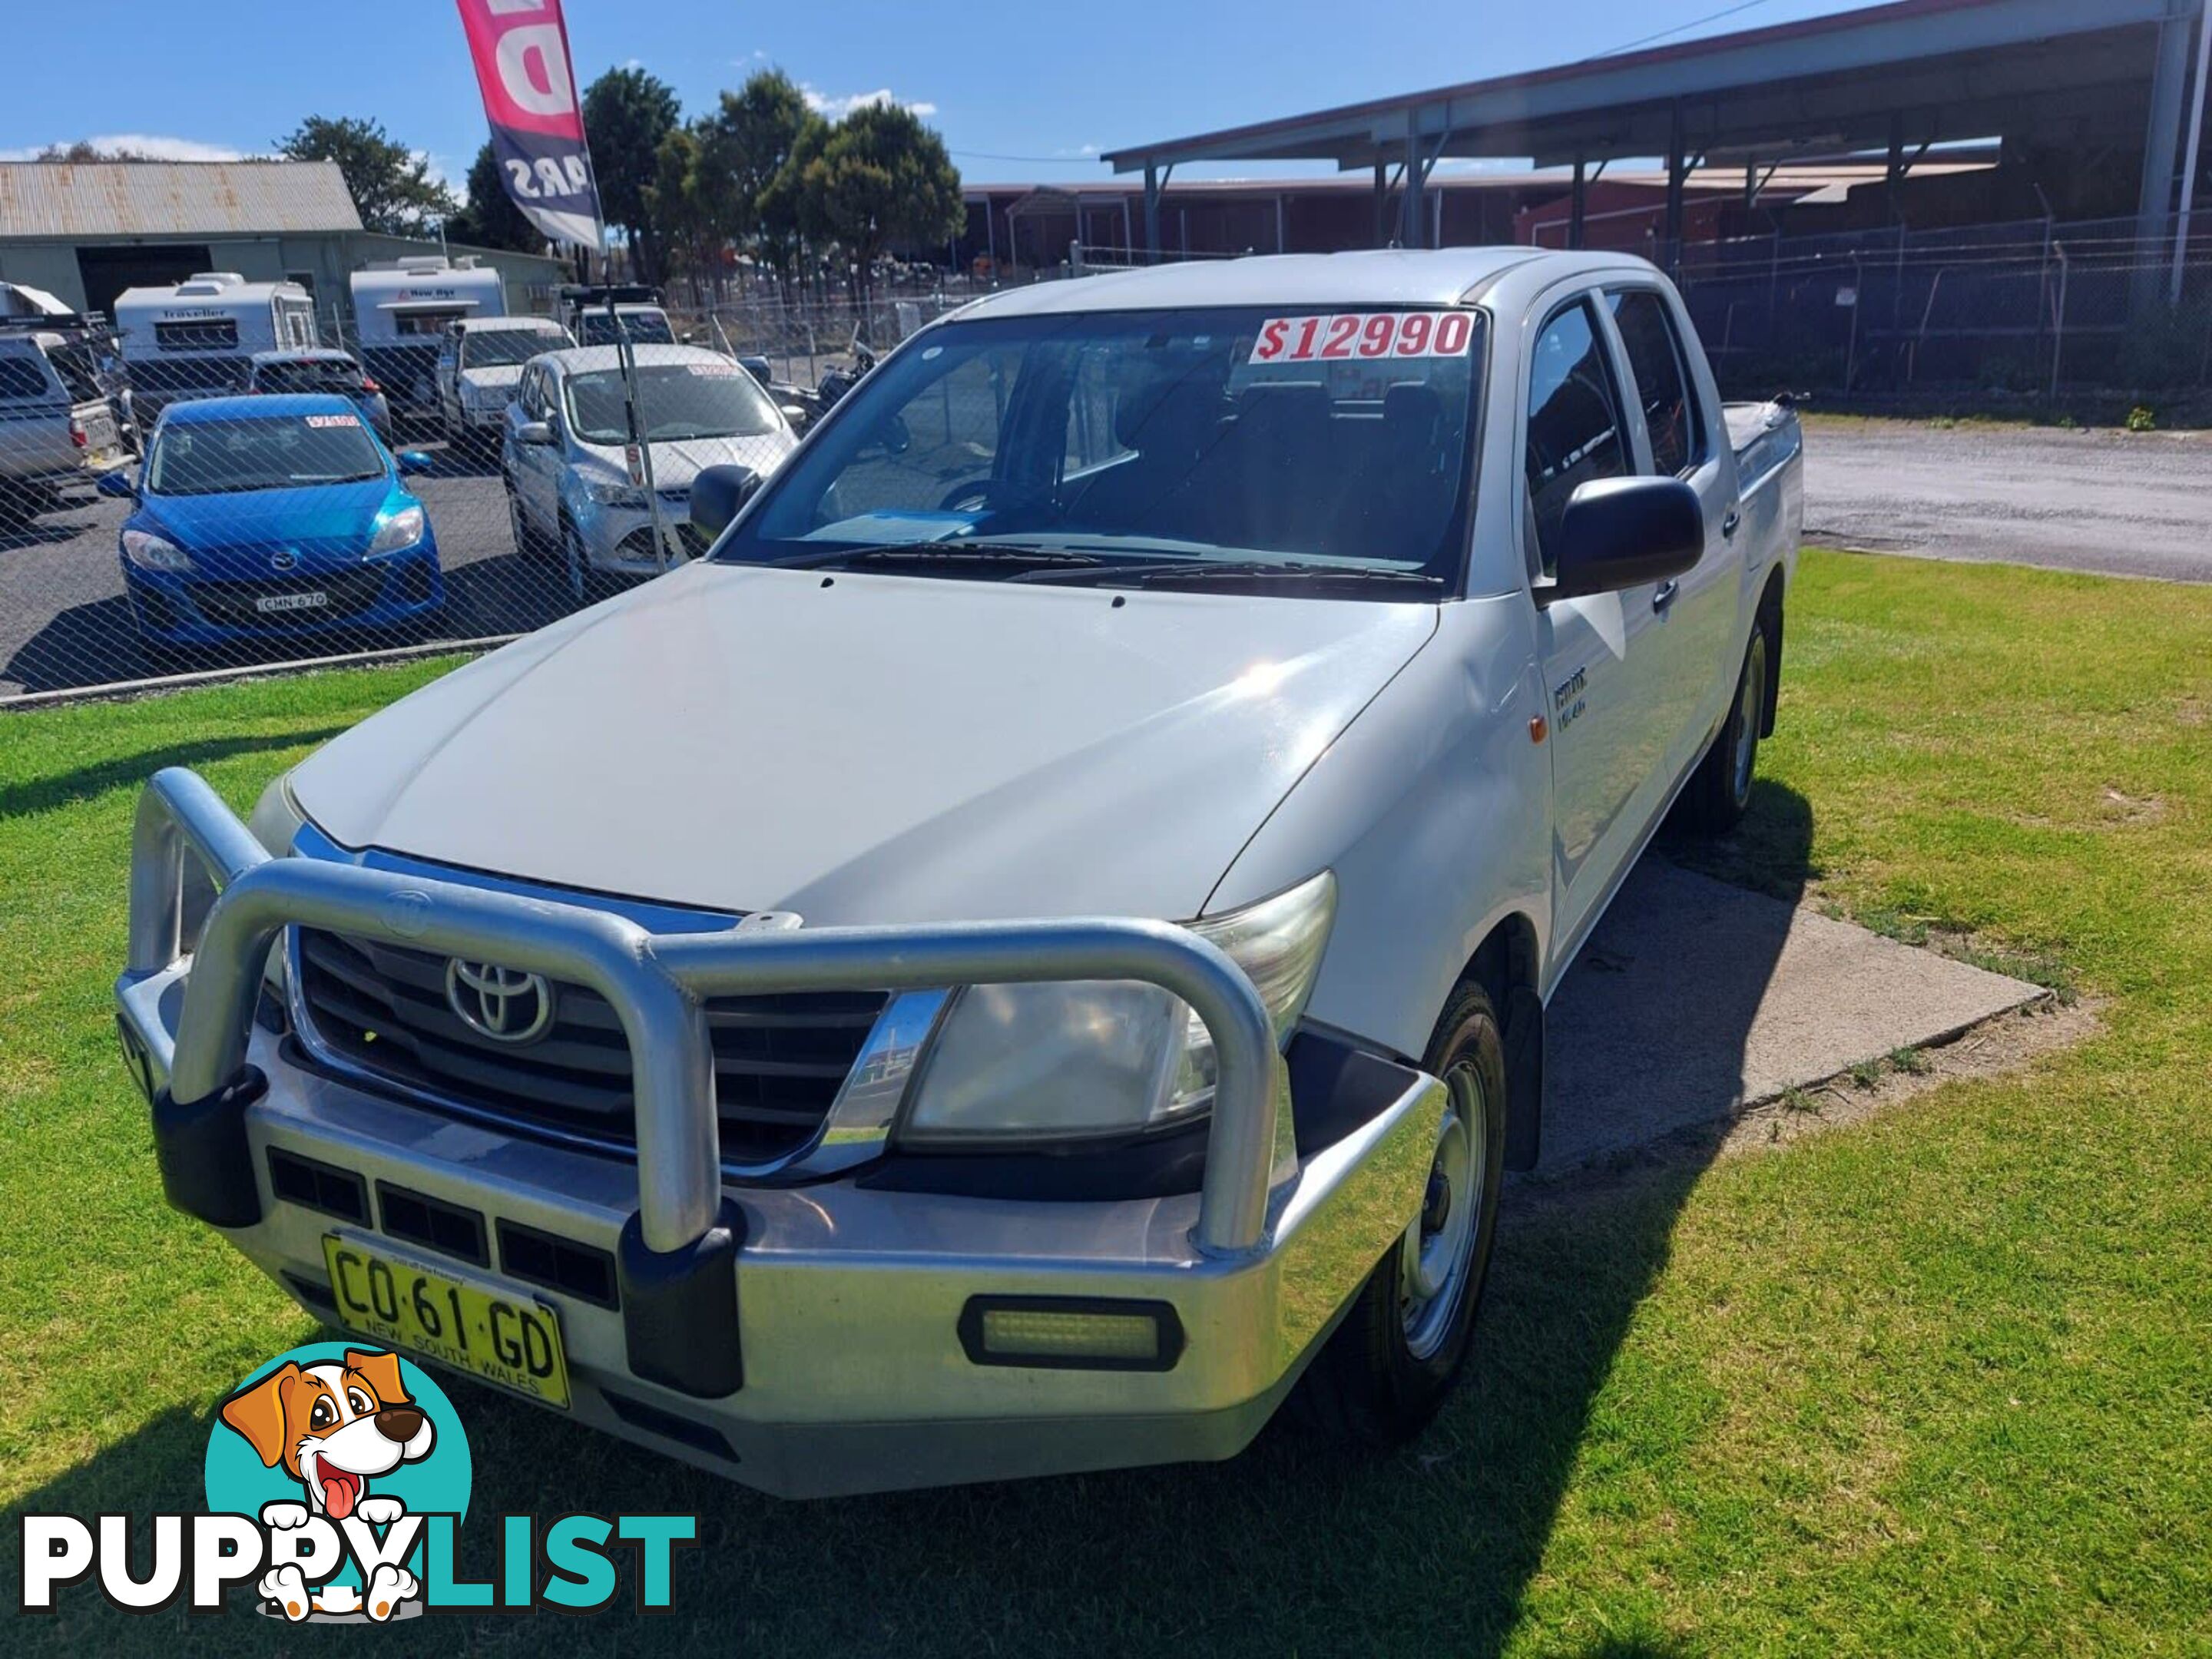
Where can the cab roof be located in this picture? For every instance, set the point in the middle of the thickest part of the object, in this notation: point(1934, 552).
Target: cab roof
point(525, 325)
point(1376, 276)
point(586, 360)
point(280, 406)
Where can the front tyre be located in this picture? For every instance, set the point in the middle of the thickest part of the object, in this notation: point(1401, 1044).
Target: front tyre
point(1720, 789)
point(1391, 1363)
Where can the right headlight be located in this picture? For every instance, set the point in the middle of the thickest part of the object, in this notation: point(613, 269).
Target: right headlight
point(1083, 1060)
point(151, 552)
point(607, 493)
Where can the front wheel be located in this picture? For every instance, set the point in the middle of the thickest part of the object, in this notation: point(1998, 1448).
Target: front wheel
point(1720, 789)
point(1389, 1366)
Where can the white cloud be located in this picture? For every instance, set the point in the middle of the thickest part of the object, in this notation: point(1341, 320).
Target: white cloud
point(836, 108)
point(159, 147)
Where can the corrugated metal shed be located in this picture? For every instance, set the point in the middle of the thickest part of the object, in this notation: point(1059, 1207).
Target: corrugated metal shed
point(171, 198)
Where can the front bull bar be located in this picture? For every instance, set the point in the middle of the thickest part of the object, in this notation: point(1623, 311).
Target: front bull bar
point(656, 984)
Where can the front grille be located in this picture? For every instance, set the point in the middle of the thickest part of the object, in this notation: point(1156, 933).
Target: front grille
point(778, 1061)
point(232, 604)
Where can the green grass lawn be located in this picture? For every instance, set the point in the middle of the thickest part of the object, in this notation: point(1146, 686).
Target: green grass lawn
point(1937, 1383)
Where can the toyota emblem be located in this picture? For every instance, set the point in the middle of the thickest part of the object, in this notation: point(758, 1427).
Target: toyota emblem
point(506, 1004)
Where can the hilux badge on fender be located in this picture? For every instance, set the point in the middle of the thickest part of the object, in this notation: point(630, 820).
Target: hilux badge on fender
point(507, 1004)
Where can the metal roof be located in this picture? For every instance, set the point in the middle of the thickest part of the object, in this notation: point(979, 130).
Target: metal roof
point(72, 200)
point(1938, 69)
point(1377, 276)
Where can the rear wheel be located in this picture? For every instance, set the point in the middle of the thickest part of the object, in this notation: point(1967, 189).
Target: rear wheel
point(1720, 789)
point(1392, 1362)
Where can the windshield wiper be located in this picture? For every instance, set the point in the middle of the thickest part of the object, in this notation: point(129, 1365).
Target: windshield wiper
point(1199, 571)
point(1030, 558)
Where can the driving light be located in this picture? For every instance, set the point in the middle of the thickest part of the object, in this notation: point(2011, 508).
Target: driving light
point(1070, 1333)
point(151, 552)
point(1079, 1060)
point(403, 529)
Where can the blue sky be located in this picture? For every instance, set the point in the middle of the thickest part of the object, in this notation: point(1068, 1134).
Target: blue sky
point(1020, 91)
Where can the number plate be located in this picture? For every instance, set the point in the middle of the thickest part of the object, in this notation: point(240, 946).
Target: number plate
point(514, 1341)
point(292, 601)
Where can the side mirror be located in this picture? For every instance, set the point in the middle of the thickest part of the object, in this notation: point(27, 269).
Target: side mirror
point(414, 463)
point(534, 432)
point(717, 493)
point(1623, 532)
point(122, 484)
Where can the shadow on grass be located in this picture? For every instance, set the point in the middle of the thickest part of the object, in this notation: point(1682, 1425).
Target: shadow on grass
point(125, 771)
point(1295, 1547)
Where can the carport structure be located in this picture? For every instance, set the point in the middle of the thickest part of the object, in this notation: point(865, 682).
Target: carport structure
point(1897, 78)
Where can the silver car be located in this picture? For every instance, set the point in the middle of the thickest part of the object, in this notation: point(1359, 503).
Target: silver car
point(576, 483)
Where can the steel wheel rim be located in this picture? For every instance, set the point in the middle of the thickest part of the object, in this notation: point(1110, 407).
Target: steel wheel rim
point(1751, 704)
point(1437, 1257)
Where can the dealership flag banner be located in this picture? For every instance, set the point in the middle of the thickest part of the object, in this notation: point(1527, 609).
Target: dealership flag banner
point(521, 52)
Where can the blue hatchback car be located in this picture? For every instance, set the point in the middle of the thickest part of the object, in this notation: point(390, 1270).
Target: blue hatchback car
point(273, 516)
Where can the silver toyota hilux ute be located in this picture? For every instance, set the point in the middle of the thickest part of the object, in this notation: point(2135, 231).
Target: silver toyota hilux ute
point(1064, 962)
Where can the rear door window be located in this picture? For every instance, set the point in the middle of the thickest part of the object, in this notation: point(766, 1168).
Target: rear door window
point(1656, 364)
point(1574, 429)
point(21, 376)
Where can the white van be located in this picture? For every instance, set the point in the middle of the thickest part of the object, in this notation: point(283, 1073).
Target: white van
point(402, 308)
point(195, 339)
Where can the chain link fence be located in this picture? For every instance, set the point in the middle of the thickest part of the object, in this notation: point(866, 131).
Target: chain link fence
point(356, 498)
point(2030, 309)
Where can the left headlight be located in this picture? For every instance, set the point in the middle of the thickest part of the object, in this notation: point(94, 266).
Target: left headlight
point(403, 529)
point(1018, 1064)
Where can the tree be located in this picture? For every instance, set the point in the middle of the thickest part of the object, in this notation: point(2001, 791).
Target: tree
point(627, 112)
point(881, 177)
point(781, 209)
point(745, 146)
point(677, 203)
point(390, 184)
point(491, 218)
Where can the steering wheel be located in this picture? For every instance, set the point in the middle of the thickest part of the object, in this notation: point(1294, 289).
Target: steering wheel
point(983, 494)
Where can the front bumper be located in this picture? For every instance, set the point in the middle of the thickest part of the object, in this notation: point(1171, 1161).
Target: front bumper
point(842, 1302)
point(187, 609)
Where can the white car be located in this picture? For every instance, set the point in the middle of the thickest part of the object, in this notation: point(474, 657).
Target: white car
point(479, 365)
point(1063, 958)
point(576, 482)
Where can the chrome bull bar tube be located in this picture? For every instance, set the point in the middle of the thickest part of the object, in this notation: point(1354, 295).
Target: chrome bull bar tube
point(656, 985)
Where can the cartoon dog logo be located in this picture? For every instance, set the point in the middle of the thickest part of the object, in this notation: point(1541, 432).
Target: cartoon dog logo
point(334, 1428)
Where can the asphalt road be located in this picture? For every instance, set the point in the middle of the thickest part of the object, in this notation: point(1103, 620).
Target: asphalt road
point(64, 622)
point(2120, 503)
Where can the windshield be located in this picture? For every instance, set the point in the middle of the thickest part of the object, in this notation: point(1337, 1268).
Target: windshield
point(316, 376)
point(715, 399)
point(220, 457)
point(505, 347)
point(643, 327)
point(1252, 435)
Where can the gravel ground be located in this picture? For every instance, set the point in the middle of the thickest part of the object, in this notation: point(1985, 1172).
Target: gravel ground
point(2120, 503)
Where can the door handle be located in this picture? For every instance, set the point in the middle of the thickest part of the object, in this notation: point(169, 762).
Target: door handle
point(1731, 524)
point(1663, 595)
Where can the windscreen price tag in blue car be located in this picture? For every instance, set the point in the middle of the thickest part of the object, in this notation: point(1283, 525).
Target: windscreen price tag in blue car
point(1349, 336)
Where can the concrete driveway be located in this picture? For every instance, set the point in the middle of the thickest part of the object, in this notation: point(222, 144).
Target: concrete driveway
point(2120, 503)
point(1695, 1000)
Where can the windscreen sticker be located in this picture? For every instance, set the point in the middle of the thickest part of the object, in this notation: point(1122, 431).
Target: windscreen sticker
point(333, 420)
point(1351, 336)
point(716, 371)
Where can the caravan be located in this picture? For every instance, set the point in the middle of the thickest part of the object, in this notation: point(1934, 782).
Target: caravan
point(194, 340)
point(401, 310)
